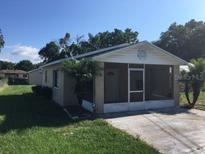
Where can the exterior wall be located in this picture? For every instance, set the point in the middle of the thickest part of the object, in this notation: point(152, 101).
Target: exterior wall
point(69, 95)
point(176, 85)
point(58, 92)
point(12, 75)
point(145, 105)
point(35, 77)
point(23, 76)
point(99, 91)
point(64, 93)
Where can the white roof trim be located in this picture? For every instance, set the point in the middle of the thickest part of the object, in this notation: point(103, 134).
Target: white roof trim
point(34, 70)
point(166, 52)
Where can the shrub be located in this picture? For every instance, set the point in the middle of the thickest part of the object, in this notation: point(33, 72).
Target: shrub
point(1, 78)
point(17, 81)
point(203, 88)
point(42, 91)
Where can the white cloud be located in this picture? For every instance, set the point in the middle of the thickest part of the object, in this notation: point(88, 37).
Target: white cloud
point(26, 52)
point(5, 59)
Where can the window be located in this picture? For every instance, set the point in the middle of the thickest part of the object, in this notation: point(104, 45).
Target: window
point(45, 78)
point(56, 78)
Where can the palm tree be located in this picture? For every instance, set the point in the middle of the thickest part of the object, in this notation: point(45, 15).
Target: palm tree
point(1, 40)
point(194, 80)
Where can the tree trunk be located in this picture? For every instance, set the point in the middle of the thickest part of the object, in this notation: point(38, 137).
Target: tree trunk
point(196, 87)
point(196, 92)
point(187, 90)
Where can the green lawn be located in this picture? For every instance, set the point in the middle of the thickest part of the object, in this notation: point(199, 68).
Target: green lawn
point(31, 124)
point(200, 103)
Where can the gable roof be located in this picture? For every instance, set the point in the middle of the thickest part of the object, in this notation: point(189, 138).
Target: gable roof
point(116, 49)
point(90, 54)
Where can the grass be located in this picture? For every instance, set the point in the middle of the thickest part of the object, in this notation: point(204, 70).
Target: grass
point(200, 103)
point(32, 124)
point(3, 84)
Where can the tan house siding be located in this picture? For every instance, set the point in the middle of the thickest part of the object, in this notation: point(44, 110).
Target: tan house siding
point(99, 91)
point(69, 95)
point(176, 84)
point(35, 77)
point(57, 91)
point(64, 93)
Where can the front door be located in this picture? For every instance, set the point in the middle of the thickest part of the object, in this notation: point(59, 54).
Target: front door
point(136, 85)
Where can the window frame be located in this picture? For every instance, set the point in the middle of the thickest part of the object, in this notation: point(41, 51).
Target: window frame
point(56, 78)
point(46, 76)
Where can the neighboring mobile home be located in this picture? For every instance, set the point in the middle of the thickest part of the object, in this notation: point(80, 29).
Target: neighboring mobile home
point(20, 74)
point(134, 77)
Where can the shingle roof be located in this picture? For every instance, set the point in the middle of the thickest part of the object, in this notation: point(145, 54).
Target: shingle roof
point(12, 72)
point(91, 53)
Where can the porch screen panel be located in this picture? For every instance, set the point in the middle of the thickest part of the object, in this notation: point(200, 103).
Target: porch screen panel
point(158, 82)
point(115, 83)
point(136, 81)
point(136, 97)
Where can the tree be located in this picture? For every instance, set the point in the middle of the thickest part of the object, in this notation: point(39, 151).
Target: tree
point(186, 41)
point(50, 52)
point(37, 65)
point(64, 47)
point(1, 40)
point(194, 80)
point(6, 65)
point(108, 39)
point(81, 71)
point(24, 65)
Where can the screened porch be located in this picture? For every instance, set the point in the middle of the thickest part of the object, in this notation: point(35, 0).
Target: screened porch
point(137, 84)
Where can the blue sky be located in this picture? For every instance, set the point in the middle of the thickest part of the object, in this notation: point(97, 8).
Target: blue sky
point(29, 24)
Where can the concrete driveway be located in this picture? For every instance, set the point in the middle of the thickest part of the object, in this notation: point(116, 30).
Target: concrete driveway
point(170, 131)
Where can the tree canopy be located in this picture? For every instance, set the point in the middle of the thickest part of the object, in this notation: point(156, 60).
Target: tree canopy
point(25, 65)
point(6, 65)
point(64, 47)
point(186, 41)
point(1, 40)
point(50, 52)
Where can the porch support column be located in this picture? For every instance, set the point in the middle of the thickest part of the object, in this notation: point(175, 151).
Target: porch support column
point(99, 91)
point(176, 84)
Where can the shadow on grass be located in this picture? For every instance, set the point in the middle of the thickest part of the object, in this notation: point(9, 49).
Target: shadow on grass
point(25, 111)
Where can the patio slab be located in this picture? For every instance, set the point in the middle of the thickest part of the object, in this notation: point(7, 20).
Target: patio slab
point(170, 131)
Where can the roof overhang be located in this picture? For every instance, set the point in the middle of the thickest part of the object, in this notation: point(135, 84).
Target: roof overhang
point(120, 51)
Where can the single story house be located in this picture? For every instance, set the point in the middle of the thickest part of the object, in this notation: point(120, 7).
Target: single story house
point(20, 74)
point(138, 76)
